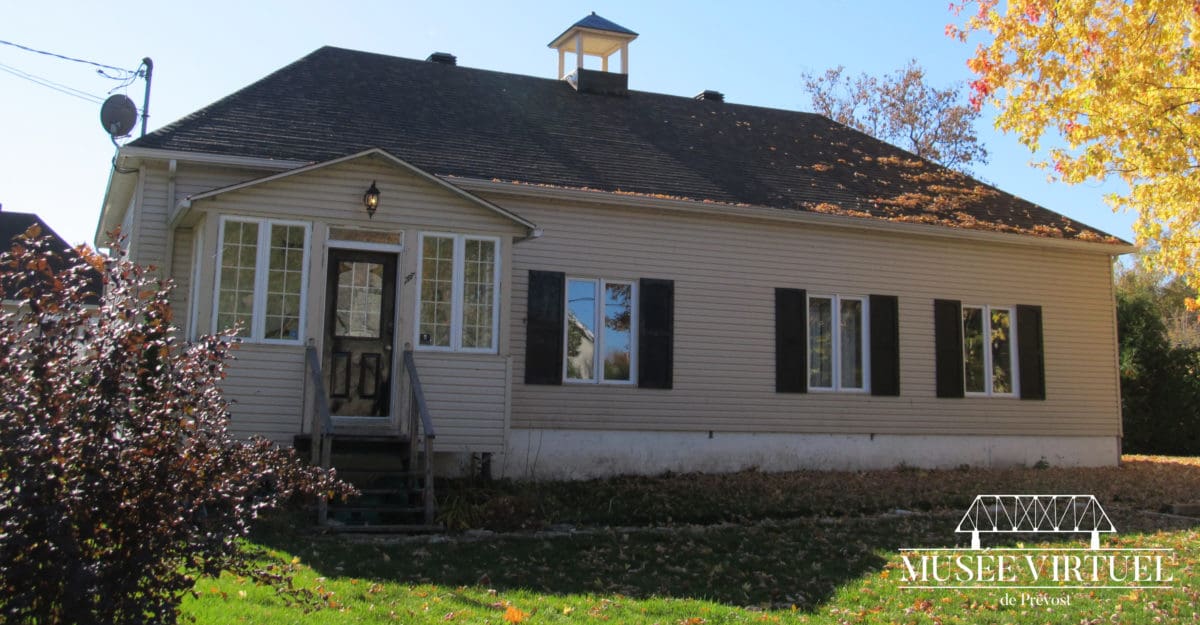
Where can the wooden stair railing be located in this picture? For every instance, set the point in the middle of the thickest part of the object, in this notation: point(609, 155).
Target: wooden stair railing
point(321, 426)
point(419, 422)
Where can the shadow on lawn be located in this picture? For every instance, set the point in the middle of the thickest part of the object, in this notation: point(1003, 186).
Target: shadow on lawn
point(799, 562)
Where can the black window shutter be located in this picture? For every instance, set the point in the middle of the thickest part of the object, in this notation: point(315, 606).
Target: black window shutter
point(544, 327)
point(791, 341)
point(948, 347)
point(885, 345)
point(1030, 359)
point(656, 333)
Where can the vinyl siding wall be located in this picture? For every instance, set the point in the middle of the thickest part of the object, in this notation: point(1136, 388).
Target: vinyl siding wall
point(725, 273)
point(266, 386)
point(149, 234)
point(149, 244)
point(181, 274)
point(466, 392)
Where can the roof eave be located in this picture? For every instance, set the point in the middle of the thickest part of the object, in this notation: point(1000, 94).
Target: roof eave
point(122, 183)
point(604, 33)
point(794, 216)
point(209, 158)
point(123, 177)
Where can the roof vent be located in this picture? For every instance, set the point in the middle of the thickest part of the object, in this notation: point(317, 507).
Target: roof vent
point(711, 96)
point(444, 58)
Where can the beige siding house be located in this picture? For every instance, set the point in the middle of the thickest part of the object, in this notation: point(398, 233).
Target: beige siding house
point(596, 281)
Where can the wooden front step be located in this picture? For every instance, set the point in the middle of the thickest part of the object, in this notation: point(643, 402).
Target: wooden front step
point(358, 443)
point(390, 493)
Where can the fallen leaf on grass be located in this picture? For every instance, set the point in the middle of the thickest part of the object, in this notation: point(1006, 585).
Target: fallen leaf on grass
point(515, 615)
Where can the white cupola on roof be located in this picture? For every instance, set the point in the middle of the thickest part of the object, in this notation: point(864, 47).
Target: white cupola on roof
point(595, 36)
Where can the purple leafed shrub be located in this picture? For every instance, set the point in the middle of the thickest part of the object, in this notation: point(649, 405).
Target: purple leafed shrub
point(119, 479)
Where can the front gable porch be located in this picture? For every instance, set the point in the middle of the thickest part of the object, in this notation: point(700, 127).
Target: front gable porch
point(295, 258)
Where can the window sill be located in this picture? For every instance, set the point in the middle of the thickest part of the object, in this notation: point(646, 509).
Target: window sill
point(840, 391)
point(451, 350)
point(245, 340)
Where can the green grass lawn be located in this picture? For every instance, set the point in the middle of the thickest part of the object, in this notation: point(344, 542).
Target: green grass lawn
point(838, 565)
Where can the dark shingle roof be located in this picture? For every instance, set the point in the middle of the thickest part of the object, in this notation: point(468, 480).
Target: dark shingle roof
point(458, 121)
point(13, 225)
point(595, 22)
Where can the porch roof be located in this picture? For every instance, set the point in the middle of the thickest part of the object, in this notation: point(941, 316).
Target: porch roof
point(372, 152)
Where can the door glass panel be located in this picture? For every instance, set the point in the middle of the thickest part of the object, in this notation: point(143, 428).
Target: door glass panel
point(359, 299)
point(339, 375)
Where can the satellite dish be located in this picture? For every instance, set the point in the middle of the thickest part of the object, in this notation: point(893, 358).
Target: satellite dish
point(118, 115)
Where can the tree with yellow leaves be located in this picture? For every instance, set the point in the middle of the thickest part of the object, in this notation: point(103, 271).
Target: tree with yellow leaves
point(1119, 81)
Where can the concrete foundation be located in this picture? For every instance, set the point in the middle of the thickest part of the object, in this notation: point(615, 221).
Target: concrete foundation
point(583, 454)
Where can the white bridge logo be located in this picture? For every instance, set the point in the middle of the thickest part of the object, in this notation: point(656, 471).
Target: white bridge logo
point(1038, 567)
point(1013, 514)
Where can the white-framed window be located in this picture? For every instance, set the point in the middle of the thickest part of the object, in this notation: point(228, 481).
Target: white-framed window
point(457, 292)
point(838, 343)
point(262, 278)
point(989, 350)
point(601, 345)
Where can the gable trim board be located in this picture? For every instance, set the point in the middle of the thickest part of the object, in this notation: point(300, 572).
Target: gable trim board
point(373, 152)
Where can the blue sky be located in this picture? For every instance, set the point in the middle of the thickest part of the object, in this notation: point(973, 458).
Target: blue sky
point(55, 156)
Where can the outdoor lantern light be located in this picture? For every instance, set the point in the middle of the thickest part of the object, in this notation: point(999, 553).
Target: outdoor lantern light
point(371, 199)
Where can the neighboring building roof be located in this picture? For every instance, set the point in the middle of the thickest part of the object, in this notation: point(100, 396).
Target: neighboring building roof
point(471, 123)
point(13, 225)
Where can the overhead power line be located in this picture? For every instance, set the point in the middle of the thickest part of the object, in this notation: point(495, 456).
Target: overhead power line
point(67, 58)
point(45, 82)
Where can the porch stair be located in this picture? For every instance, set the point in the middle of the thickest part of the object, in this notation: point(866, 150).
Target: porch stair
point(391, 493)
point(392, 472)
